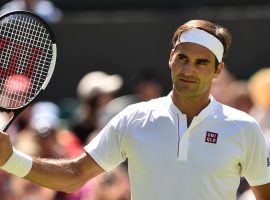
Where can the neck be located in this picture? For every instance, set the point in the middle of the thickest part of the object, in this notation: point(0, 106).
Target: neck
point(191, 106)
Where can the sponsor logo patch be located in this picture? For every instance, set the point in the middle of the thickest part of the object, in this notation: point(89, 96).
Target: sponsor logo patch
point(211, 137)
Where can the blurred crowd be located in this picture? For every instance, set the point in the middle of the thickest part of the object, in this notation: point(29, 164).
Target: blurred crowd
point(60, 130)
point(44, 8)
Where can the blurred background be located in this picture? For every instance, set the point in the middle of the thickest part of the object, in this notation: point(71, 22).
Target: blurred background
point(126, 36)
point(112, 53)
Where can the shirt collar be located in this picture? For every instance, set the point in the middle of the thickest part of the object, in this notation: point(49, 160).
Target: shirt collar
point(208, 110)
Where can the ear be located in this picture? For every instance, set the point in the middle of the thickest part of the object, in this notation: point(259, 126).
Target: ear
point(170, 59)
point(219, 70)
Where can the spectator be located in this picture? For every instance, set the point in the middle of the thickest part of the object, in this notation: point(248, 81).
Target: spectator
point(112, 186)
point(259, 87)
point(5, 189)
point(44, 8)
point(220, 88)
point(95, 90)
point(240, 96)
point(44, 137)
point(147, 85)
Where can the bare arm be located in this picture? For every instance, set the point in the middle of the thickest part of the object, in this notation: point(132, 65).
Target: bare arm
point(63, 175)
point(261, 192)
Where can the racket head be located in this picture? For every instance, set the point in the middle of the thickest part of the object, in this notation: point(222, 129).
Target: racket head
point(27, 58)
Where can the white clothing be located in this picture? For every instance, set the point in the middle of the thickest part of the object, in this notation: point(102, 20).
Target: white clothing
point(168, 160)
point(247, 195)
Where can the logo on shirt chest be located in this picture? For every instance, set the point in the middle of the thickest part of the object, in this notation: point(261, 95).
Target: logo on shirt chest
point(211, 137)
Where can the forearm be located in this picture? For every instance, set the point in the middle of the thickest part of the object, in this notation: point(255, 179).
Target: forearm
point(61, 175)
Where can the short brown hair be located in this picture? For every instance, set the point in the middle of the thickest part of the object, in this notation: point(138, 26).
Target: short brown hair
point(219, 32)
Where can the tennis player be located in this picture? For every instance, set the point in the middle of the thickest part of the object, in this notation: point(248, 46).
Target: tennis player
point(185, 145)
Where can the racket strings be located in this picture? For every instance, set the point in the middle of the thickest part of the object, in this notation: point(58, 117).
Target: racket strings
point(25, 59)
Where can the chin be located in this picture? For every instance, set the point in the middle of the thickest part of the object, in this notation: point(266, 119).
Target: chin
point(188, 93)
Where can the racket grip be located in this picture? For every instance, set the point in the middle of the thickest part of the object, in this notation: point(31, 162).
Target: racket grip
point(9, 123)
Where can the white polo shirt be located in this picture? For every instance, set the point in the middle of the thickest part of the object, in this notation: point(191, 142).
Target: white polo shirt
point(168, 160)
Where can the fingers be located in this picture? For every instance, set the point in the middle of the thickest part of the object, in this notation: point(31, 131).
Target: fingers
point(5, 148)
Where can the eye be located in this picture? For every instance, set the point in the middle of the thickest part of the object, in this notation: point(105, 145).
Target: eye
point(202, 62)
point(182, 58)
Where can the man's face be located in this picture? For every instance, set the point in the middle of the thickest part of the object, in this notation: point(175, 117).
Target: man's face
point(193, 69)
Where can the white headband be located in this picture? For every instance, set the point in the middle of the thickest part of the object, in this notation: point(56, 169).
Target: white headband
point(203, 38)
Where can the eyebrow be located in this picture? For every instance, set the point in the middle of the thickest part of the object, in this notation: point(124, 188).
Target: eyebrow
point(182, 55)
point(203, 60)
point(197, 60)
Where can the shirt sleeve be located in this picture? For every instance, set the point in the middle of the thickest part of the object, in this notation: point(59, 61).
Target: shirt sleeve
point(107, 147)
point(256, 167)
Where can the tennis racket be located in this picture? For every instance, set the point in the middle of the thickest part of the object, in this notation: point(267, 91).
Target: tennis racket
point(27, 60)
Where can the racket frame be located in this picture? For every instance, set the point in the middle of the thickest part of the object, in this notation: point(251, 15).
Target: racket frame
point(17, 111)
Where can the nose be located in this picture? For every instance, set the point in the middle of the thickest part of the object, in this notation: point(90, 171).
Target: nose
point(187, 69)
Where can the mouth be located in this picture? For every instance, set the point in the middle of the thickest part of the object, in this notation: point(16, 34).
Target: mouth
point(187, 81)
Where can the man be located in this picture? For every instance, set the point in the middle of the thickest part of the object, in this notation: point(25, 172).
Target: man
point(182, 146)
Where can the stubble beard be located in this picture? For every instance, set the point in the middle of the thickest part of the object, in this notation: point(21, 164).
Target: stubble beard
point(185, 90)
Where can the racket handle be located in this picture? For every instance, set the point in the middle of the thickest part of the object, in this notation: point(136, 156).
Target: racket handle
point(15, 114)
point(9, 123)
